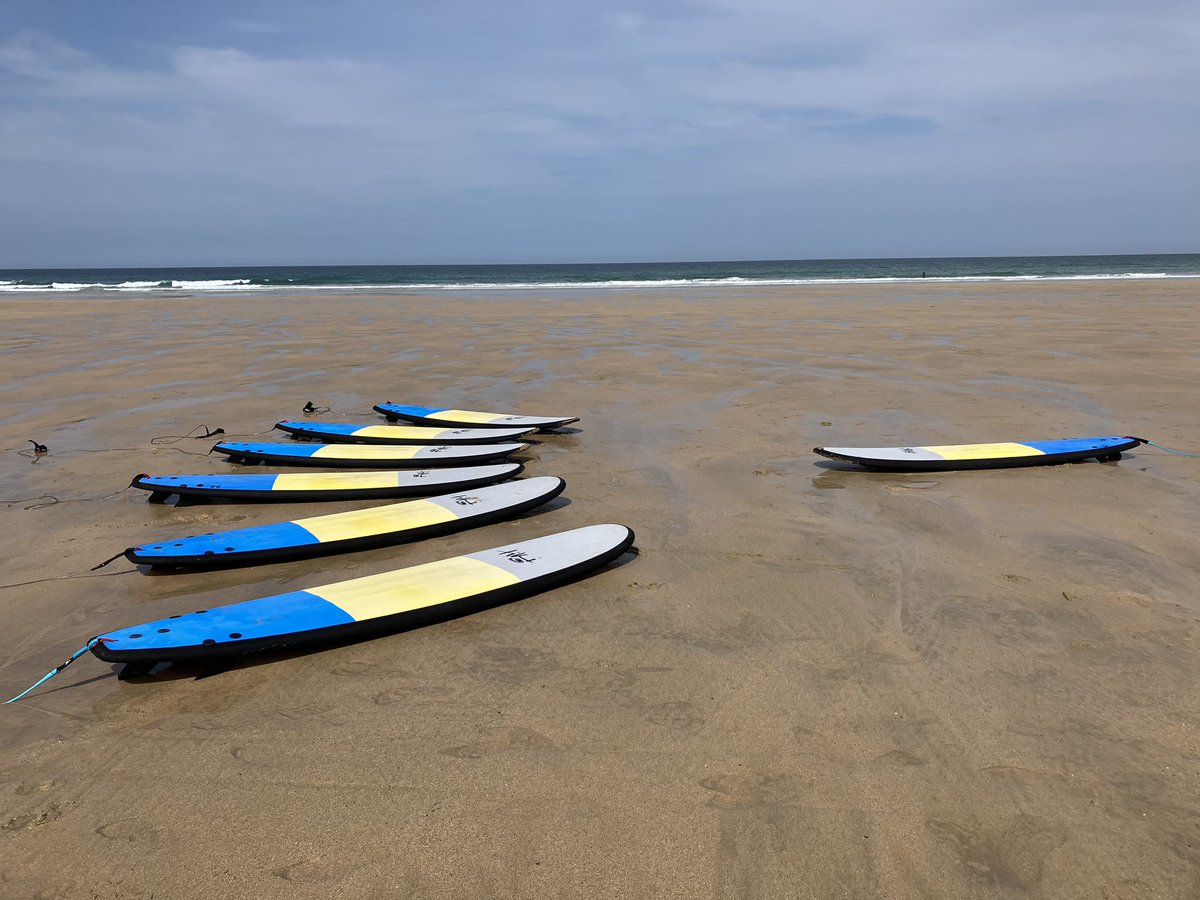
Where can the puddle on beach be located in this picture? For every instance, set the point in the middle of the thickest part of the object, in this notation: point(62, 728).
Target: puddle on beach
point(910, 486)
point(830, 481)
point(839, 479)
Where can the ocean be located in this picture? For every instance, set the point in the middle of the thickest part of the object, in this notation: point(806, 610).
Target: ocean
point(228, 279)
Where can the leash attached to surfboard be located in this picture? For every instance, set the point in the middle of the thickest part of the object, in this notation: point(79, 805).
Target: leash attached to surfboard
point(1164, 449)
point(74, 656)
point(363, 607)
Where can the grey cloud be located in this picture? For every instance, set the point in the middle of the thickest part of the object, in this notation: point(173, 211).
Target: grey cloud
point(577, 114)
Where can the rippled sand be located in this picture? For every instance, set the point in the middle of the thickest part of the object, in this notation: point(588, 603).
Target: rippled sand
point(812, 681)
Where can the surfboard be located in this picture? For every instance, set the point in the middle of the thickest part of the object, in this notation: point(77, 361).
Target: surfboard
point(346, 433)
point(324, 485)
point(358, 530)
point(370, 606)
point(364, 456)
point(430, 415)
point(983, 456)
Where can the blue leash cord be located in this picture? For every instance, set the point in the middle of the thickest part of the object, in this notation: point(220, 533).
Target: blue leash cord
point(1165, 449)
point(74, 656)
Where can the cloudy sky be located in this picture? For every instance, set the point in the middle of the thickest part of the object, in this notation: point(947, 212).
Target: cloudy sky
point(144, 132)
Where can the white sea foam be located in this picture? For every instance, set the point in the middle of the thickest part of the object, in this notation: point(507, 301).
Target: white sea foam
point(734, 281)
point(243, 285)
point(213, 285)
point(164, 285)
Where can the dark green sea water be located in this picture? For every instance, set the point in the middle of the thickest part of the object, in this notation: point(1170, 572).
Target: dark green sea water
point(596, 275)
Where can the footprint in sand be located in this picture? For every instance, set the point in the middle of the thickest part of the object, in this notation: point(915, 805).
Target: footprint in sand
point(501, 740)
point(30, 787)
point(1139, 599)
point(306, 871)
point(51, 813)
point(411, 693)
point(1009, 852)
point(133, 831)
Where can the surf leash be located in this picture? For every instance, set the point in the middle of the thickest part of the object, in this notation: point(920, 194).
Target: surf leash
point(51, 499)
point(14, 584)
point(38, 505)
point(74, 656)
point(176, 438)
point(36, 452)
point(313, 410)
point(107, 561)
point(1150, 443)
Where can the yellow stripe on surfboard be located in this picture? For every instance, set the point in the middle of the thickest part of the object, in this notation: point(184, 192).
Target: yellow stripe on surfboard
point(341, 451)
point(984, 451)
point(399, 431)
point(415, 588)
point(317, 481)
point(465, 415)
point(378, 520)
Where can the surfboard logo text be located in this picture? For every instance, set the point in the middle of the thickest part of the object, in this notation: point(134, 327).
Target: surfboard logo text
point(518, 556)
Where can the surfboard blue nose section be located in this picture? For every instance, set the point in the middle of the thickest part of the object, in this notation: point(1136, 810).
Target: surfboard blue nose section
point(325, 427)
point(420, 412)
point(250, 482)
point(253, 619)
point(1076, 445)
point(241, 540)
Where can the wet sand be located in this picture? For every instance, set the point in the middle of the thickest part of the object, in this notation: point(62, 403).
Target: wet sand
point(812, 680)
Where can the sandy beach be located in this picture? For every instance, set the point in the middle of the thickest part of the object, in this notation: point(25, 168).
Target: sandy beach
point(811, 680)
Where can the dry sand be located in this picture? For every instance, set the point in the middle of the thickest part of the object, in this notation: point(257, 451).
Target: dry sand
point(812, 681)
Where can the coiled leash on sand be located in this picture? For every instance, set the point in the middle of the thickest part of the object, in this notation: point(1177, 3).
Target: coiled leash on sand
point(40, 450)
point(36, 452)
point(313, 410)
point(51, 499)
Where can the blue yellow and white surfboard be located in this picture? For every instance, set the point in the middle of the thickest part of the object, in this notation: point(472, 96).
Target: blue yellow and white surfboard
point(358, 530)
point(983, 456)
point(348, 433)
point(364, 456)
point(373, 605)
point(431, 415)
point(324, 485)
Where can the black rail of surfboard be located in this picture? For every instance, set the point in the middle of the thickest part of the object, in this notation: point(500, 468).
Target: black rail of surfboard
point(348, 545)
point(325, 437)
point(377, 627)
point(394, 417)
point(947, 465)
point(332, 462)
point(160, 494)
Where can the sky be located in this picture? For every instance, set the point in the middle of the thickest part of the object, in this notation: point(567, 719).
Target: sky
point(465, 131)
